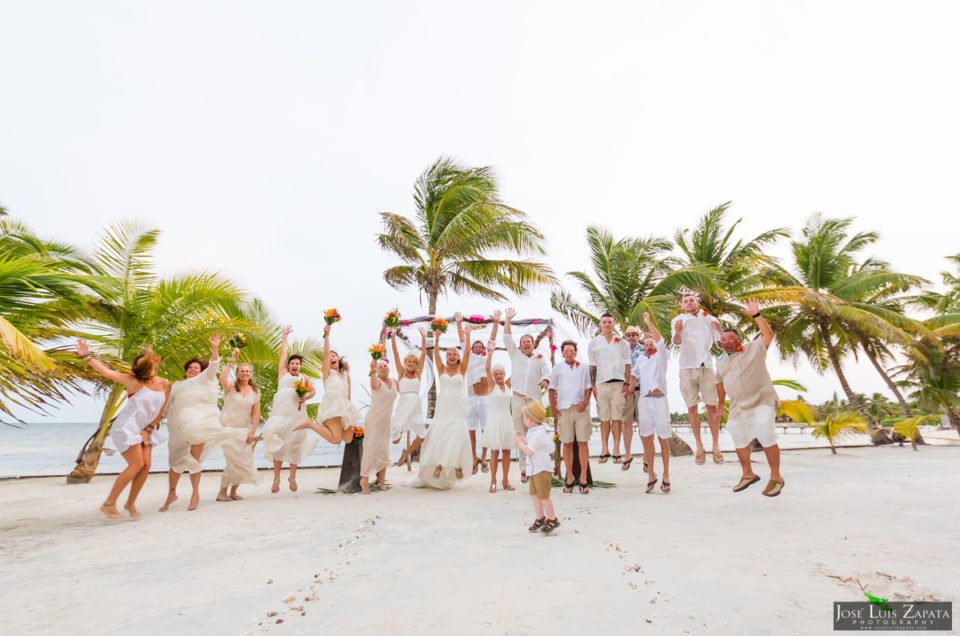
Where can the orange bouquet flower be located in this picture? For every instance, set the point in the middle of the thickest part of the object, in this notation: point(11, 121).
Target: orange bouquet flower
point(377, 351)
point(302, 387)
point(392, 319)
point(331, 316)
point(357, 435)
point(439, 324)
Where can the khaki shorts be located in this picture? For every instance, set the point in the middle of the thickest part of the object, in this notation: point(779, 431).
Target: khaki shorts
point(698, 385)
point(610, 401)
point(540, 485)
point(759, 422)
point(630, 409)
point(571, 422)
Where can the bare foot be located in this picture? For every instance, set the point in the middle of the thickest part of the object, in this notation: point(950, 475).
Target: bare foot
point(236, 497)
point(293, 484)
point(276, 486)
point(170, 499)
point(402, 460)
point(224, 498)
point(367, 492)
point(194, 501)
point(134, 513)
point(437, 471)
point(111, 511)
point(306, 424)
point(459, 473)
point(507, 486)
point(493, 486)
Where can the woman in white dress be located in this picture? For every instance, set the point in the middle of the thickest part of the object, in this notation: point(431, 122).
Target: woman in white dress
point(446, 448)
point(193, 423)
point(336, 412)
point(408, 415)
point(241, 410)
point(498, 434)
point(134, 431)
point(282, 442)
point(376, 425)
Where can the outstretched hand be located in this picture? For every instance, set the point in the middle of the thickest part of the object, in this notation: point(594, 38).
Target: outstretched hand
point(235, 353)
point(423, 332)
point(678, 327)
point(82, 347)
point(511, 313)
point(458, 317)
point(326, 330)
point(215, 341)
point(751, 307)
point(496, 315)
point(286, 331)
point(716, 327)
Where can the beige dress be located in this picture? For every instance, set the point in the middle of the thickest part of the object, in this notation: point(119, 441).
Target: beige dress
point(240, 467)
point(376, 430)
point(193, 419)
point(280, 442)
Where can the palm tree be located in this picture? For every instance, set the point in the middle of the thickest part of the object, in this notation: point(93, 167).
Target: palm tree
point(175, 314)
point(43, 287)
point(738, 266)
point(630, 276)
point(460, 238)
point(824, 299)
point(839, 425)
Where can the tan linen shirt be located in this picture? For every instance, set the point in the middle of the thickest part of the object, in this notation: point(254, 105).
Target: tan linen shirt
point(745, 378)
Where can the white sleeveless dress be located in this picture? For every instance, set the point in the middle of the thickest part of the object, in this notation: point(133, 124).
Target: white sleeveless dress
point(498, 435)
point(447, 443)
point(280, 442)
point(408, 414)
point(193, 418)
point(334, 402)
point(140, 409)
point(240, 466)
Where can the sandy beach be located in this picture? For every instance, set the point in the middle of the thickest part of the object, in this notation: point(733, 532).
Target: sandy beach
point(700, 560)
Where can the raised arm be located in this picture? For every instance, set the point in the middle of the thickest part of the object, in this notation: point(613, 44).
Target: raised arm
point(508, 333)
point(423, 352)
point(285, 332)
point(752, 309)
point(652, 328)
point(396, 354)
point(496, 326)
point(436, 352)
point(490, 350)
point(227, 368)
point(465, 354)
point(459, 318)
point(213, 367)
point(326, 351)
point(126, 379)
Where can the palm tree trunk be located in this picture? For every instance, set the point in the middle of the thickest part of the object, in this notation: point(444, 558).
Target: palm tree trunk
point(833, 449)
point(89, 457)
point(890, 385)
point(432, 394)
point(952, 416)
point(835, 361)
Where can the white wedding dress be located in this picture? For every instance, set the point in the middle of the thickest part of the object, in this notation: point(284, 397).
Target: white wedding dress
point(447, 443)
point(280, 442)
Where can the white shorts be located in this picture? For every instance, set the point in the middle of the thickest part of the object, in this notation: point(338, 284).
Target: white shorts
point(756, 422)
point(653, 417)
point(477, 407)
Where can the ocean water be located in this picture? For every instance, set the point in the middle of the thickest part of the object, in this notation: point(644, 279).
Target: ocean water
point(43, 449)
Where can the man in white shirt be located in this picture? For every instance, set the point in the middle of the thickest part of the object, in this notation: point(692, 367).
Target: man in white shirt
point(570, 390)
point(653, 410)
point(529, 374)
point(633, 338)
point(477, 389)
point(696, 331)
point(609, 358)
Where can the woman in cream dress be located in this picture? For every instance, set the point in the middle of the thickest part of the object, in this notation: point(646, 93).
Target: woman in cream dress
point(408, 415)
point(498, 434)
point(376, 425)
point(336, 414)
point(241, 410)
point(282, 442)
point(134, 432)
point(193, 422)
point(446, 448)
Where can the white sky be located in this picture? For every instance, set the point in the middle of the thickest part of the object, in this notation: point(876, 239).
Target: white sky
point(263, 138)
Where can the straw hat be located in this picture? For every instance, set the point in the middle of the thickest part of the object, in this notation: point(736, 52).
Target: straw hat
point(632, 329)
point(536, 412)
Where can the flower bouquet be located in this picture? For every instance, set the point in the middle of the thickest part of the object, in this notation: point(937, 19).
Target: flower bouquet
point(439, 324)
point(357, 435)
point(392, 319)
point(237, 341)
point(302, 387)
point(331, 316)
point(377, 351)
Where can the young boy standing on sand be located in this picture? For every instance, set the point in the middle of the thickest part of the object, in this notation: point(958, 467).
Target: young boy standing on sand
point(537, 448)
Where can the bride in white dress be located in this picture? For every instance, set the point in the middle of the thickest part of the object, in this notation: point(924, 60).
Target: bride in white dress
point(408, 413)
point(498, 434)
point(446, 448)
point(282, 442)
point(193, 423)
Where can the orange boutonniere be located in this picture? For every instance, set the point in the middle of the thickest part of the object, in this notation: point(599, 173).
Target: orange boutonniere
point(740, 348)
point(578, 364)
point(705, 314)
point(540, 355)
point(615, 339)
